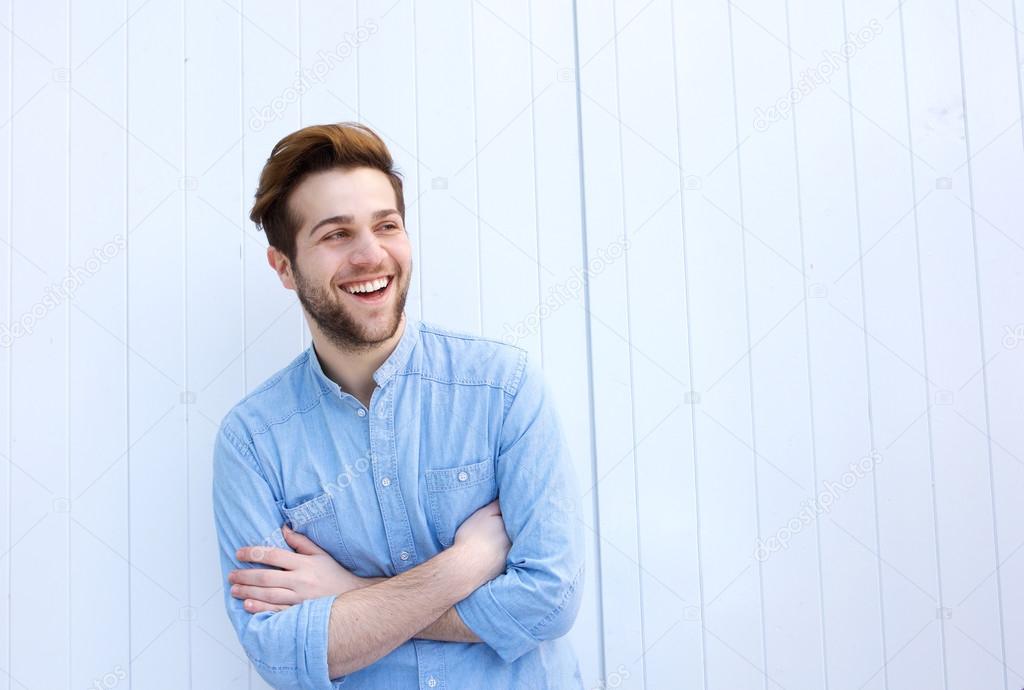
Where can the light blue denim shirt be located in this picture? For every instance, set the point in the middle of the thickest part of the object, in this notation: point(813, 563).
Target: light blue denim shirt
point(454, 421)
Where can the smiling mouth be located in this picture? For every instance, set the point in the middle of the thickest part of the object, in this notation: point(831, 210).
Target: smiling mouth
point(369, 291)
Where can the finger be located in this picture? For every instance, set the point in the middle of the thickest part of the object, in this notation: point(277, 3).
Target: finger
point(301, 543)
point(260, 577)
point(256, 606)
point(269, 595)
point(268, 555)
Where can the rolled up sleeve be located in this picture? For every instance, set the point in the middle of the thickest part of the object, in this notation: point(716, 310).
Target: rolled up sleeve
point(539, 595)
point(287, 648)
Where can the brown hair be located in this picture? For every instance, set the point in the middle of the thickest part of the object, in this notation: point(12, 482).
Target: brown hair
point(310, 150)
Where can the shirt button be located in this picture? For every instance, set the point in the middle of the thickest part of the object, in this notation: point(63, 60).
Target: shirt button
point(404, 555)
point(385, 481)
point(361, 412)
point(432, 682)
point(463, 476)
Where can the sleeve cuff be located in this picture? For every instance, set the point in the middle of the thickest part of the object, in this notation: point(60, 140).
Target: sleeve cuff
point(486, 617)
point(312, 646)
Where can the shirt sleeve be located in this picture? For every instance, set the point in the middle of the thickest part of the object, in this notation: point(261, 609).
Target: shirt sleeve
point(538, 596)
point(287, 648)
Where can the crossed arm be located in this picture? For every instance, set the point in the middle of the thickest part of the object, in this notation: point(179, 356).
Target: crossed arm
point(308, 572)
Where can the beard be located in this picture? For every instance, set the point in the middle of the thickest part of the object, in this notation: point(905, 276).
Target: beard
point(340, 323)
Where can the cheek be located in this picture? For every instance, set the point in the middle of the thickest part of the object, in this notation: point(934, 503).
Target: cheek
point(401, 252)
point(323, 264)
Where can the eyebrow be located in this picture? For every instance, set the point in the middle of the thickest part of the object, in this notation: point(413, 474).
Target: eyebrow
point(377, 215)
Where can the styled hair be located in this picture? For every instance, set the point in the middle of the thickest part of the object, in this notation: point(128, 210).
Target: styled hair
point(310, 150)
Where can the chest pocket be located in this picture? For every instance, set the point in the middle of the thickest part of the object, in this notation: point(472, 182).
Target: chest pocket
point(316, 518)
point(456, 493)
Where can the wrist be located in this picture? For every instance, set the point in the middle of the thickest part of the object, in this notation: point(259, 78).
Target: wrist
point(469, 565)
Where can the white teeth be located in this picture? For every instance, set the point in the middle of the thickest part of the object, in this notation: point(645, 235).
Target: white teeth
point(368, 287)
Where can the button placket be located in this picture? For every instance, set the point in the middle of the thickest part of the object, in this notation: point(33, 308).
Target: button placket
point(430, 663)
point(385, 469)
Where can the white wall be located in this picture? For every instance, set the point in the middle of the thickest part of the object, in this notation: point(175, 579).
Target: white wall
point(769, 301)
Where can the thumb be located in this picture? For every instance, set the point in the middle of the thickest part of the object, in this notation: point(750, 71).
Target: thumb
point(300, 542)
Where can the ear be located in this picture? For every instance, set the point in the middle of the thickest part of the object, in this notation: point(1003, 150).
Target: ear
point(279, 262)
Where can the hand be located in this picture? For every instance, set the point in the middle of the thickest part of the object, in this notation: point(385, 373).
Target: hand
point(483, 536)
point(308, 573)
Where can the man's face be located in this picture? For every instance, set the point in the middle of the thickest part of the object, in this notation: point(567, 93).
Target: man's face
point(362, 241)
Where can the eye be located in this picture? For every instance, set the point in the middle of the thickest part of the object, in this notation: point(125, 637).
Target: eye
point(388, 226)
point(335, 234)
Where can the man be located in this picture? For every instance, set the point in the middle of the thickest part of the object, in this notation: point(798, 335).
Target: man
point(395, 508)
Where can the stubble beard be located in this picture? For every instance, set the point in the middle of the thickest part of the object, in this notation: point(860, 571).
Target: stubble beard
point(342, 325)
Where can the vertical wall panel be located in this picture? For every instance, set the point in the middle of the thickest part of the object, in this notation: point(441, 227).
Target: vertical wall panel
point(157, 459)
point(98, 356)
point(611, 380)
point(719, 402)
point(652, 179)
point(990, 41)
point(885, 263)
point(505, 98)
point(40, 603)
point(7, 259)
point(449, 235)
point(960, 455)
point(780, 244)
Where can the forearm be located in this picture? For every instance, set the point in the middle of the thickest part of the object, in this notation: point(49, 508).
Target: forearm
point(368, 623)
point(448, 628)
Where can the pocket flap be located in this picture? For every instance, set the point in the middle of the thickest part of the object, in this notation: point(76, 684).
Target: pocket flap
point(458, 477)
point(307, 511)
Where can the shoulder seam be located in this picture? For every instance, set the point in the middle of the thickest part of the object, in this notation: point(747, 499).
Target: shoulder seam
point(512, 388)
point(245, 449)
point(451, 381)
point(438, 330)
point(281, 420)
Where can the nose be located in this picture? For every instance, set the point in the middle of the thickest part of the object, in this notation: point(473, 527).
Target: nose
point(368, 252)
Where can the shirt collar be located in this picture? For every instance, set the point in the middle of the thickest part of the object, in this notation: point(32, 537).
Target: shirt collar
point(395, 361)
point(399, 357)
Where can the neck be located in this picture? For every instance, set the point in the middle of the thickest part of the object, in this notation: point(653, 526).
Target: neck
point(353, 369)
